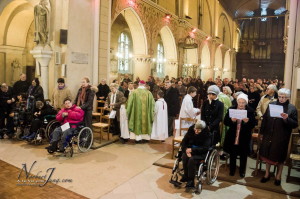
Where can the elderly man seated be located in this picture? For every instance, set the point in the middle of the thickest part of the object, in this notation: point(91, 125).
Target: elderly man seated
point(71, 114)
point(195, 145)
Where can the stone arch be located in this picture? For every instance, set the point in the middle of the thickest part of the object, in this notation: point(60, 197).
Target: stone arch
point(140, 61)
point(170, 51)
point(16, 23)
point(137, 31)
point(205, 66)
point(218, 62)
point(224, 25)
point(227, 69)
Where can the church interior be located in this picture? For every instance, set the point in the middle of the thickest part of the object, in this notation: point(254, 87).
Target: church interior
point(111, 40)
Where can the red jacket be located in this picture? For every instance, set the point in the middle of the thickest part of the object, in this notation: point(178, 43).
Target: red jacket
point(75, 115)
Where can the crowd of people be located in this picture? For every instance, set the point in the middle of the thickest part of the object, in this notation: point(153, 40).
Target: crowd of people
point(141, 111)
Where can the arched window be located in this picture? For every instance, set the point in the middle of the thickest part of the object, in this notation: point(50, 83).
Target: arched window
point(160, 59)
point(124, 53)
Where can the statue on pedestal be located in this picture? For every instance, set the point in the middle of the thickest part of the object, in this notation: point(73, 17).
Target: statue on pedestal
point(41, 22)
point(16, 71)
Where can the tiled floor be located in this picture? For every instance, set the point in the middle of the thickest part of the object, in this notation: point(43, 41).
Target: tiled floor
point(117, 171)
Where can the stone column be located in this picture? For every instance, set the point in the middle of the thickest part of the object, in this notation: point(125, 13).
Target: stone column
point(289, 56)
point(142, 67)
point(43, 55)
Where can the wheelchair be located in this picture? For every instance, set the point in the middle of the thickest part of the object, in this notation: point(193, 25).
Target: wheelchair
point(207, 171)
point(49, 123)
point(82, 137)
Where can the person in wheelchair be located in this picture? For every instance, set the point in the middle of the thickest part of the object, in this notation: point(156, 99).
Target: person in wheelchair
point(195, 145)
point(72, 114)
point(41, 110)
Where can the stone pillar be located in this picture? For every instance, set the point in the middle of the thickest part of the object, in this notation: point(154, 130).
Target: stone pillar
point(142, 67)
point(43, 55)
point(289, 56)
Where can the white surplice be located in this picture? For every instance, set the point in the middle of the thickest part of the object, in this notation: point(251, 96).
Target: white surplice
point(124, 123)
point(187, 110)
point(160, 124)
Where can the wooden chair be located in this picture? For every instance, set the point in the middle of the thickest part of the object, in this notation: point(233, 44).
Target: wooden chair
point(99, 110)
point(293, 160)
point(177, 140)
point(104, 124)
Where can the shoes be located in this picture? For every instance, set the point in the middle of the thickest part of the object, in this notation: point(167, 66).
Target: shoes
point(190, 185)
point(277, 182)
point(61, 150)
point(264, 180)
point(1, 137)
point(242, 175)
point(184, 179)
point(24, 137)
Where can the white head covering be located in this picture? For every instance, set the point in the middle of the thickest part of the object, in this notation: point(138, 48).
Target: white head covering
point(242, 96)
point(213, 89)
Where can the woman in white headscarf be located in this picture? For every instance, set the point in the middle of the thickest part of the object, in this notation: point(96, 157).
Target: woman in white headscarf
point(238, 136)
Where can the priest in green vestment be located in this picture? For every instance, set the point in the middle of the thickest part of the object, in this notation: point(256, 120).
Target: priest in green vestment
point(227, 104)
point(140, 112)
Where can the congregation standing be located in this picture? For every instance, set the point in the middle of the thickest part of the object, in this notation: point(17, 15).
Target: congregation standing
point(148, 110)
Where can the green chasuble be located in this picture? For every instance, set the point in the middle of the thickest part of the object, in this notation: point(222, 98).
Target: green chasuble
point(227, 104)
point(140, 111)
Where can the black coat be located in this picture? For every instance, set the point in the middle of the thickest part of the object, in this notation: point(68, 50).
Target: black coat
point(103, 91)
point(254, 99)
point(88, 101)
point(276, 133)
point(199, 143)
point(20, 87)
point(37, 92)
point(212, 114)
point(245, 132)
point(172, 99)
point(4, 96)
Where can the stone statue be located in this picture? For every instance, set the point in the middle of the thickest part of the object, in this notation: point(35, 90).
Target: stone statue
point(16, 71)
point(41, 22)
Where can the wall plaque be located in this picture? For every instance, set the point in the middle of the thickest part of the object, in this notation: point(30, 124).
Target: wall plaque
point(79, 58)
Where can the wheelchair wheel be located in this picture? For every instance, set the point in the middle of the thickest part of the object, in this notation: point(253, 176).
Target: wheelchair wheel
point(213, 166)
point(85, 139)
point(198, 187)
point(50, 128)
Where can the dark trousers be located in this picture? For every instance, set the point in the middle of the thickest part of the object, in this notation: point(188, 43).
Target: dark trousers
point(243, 160)
point(9, 123)
point(116, 127)
point(189, 166)
point(88, 117)
point(171, 125)
point(35, 125)
point(58, 135)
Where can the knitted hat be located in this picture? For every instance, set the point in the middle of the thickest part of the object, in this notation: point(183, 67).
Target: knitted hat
point(213, 89)
point(243, 96)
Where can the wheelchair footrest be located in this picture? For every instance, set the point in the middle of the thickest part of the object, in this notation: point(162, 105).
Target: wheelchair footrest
point(175, 183)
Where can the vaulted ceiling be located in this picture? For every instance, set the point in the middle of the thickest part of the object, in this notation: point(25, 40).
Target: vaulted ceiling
point(246, 8)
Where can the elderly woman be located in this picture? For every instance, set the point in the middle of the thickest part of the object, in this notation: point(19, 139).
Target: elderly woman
point(227, 91)
point(275, 135)
point(238, 136)
point(84, 99)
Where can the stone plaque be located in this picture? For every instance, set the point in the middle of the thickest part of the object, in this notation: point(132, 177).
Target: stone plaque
point(79, 58)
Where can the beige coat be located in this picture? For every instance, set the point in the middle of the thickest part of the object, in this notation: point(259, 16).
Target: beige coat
point(263, 105)
point(58, 97)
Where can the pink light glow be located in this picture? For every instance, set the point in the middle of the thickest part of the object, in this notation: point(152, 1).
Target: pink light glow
point(131, 3)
